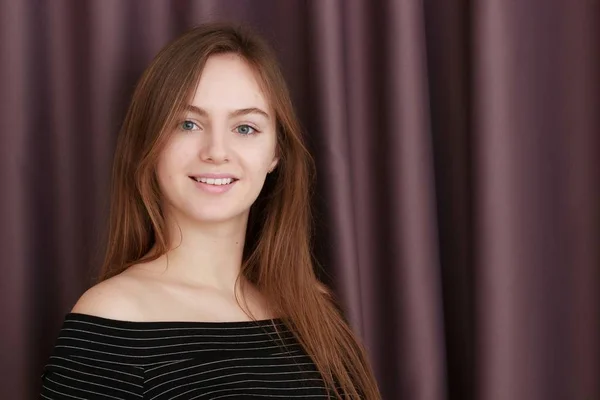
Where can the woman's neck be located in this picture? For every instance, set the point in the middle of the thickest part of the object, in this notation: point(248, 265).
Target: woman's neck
point(208, 254)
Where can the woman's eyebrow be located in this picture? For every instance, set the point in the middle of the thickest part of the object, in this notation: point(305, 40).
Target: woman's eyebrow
point(250, 110)
point(235, 113)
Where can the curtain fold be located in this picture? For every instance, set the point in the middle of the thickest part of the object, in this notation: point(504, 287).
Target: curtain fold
point(536, 84)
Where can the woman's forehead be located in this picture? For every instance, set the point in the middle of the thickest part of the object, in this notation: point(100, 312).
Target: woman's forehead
point(228, 83)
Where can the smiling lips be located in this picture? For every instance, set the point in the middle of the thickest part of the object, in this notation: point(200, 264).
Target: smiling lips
point(214, 183)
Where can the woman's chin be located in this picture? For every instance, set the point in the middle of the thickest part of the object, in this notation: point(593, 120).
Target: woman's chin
point(218, 217)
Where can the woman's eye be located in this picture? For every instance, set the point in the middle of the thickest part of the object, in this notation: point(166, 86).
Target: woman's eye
point(245, 130)
point(188, 126)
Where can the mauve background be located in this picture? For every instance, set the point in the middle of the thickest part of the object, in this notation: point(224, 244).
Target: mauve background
point(458, 151)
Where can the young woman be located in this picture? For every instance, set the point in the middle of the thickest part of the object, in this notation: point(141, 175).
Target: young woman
point(208, 290)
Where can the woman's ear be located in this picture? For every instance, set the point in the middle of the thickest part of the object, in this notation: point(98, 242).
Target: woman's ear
point(273, 164)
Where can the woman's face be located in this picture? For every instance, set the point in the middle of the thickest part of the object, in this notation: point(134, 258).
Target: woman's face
point(217, 157)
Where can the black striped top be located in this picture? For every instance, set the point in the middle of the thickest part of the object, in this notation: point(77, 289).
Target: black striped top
point(99, 358)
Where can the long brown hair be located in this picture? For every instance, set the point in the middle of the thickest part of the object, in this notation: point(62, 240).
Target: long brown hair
point(277, 254)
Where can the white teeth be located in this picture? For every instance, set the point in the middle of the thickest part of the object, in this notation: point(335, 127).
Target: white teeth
point(217, 182)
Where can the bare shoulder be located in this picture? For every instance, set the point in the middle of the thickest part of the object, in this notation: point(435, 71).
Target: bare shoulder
point(114, 298)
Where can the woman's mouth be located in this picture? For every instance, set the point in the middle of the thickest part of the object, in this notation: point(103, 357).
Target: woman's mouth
point(215, 181)
point(214, 185)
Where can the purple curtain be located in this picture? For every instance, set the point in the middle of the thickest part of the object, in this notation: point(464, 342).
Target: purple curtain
point(458, 199)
